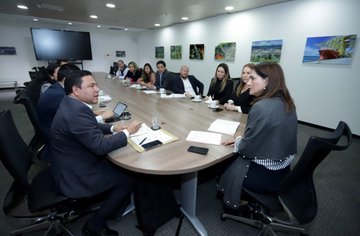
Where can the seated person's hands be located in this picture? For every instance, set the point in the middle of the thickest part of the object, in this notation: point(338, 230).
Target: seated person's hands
point(150, 86)
point(134, 126)
point(106, 114)
point(229, 107)
point(228, 142)
point(188, 95)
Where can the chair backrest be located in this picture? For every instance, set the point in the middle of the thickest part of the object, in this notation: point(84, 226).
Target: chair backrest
point(25, 99)
point(236, 82)
point(16, 158)
point(40, 137)
point(297, 190)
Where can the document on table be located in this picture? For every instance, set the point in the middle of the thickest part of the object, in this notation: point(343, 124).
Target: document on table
point(224, 126)
point(173, 95)
point(146, 135)
point(150, 91)
point(204, 137)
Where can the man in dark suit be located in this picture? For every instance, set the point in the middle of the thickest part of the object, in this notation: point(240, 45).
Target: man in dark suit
point(79, 148)
point(50, 100)
point(49, 103)
point(185, 83)
point(162, 75)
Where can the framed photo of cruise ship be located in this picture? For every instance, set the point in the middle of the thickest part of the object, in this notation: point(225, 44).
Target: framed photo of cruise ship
point(329, 49)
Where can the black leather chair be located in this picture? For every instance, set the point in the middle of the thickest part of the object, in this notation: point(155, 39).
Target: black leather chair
point(296, 196)
point(29, 100)
point(40, 193)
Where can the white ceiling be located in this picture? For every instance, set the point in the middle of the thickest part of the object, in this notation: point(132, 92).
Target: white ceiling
point(137, 14)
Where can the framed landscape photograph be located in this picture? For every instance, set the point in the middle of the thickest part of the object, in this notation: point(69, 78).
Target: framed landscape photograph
point(175, 52)
point(196, 51)
point(266, 50)
point(159, 52)
point(225, 52)
point(329, 49)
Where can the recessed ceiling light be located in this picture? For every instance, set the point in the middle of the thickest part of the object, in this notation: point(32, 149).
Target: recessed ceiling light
point(69, 23)
point(35, 19)
point(99, 26)
point(22, 7)
point(157, 25)
point(93, 16)
point(184, 18)
point(229, 8)
point(110, 5)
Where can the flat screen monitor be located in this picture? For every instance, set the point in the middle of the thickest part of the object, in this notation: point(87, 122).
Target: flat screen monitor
point(51, 44)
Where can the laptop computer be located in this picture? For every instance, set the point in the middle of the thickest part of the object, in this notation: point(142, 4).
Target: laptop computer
point(118, 112)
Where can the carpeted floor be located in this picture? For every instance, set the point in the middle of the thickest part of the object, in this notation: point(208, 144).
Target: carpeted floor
point(337, 181)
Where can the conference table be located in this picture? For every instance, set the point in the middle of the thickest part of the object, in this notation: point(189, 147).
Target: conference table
point(178, 116)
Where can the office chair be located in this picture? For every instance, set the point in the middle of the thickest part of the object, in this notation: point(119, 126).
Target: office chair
point(296, 195)
point(40, 193)
point(27, 99)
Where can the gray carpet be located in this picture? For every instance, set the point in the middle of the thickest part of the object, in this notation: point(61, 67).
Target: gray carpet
point(337, 181)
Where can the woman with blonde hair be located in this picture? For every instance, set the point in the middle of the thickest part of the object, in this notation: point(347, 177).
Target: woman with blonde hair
point(134, 74)
point(241, 99)
point(221, 85)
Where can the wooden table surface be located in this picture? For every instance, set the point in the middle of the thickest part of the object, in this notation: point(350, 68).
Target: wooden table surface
point(177, 116)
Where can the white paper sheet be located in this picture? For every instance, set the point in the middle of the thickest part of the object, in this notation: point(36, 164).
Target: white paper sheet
point(204, 137)
point(173, 95)
point(224, 126)
point(150, 91)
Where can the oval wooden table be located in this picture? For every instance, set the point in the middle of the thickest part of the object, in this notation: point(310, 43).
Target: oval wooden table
point(179, 117)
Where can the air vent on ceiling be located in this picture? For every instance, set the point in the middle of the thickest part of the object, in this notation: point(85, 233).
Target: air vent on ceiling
point(50, 6)
point(115, 28)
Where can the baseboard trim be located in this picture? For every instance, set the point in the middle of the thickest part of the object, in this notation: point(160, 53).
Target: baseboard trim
point(322, 127)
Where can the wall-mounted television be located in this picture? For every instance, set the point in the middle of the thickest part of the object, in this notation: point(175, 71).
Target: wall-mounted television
point(51, 44)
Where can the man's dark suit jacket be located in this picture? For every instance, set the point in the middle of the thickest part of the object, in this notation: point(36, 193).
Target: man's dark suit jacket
point(176, 84)
point(47, 106)
point(164, 81)
point(79, 149)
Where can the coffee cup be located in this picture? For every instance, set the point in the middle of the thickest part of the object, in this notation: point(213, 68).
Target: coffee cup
point(213, 104)
point(197, 97)
point(162, 90)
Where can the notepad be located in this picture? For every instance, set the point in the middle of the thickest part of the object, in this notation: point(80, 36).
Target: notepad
point(146, 135)
point(224, 126)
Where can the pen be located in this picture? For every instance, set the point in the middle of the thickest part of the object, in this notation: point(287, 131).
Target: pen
point(142, 141)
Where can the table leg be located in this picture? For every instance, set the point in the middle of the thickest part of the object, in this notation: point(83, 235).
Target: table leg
point(188, 201)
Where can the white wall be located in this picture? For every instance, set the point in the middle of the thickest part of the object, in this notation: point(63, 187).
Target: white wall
point(15, 32)
point(324, 94)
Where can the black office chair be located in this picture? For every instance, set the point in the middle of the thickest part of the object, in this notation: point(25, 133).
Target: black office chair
point(28, 99)
point(296, 195)
point(40, 193)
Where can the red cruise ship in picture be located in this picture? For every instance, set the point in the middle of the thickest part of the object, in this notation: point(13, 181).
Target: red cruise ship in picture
point(327, 53)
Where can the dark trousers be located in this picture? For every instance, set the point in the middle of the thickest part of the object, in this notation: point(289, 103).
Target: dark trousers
point(117, 198)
